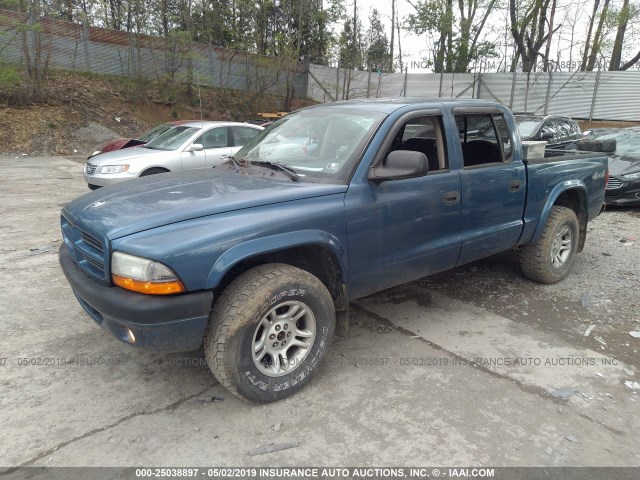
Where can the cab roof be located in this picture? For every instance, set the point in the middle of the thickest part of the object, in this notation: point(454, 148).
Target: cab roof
point(389, 105)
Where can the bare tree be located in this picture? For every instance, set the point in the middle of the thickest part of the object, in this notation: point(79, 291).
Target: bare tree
point(531, 31)
point(596, 44)
point(393, 18)
point(550, 36)
point(616, 54)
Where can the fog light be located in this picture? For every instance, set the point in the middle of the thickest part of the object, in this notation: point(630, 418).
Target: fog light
point(130, 337)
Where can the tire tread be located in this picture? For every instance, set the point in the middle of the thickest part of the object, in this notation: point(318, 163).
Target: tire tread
point(226, 312)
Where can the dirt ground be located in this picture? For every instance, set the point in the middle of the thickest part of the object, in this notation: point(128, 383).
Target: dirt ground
point(78, 113)
point(475, 366)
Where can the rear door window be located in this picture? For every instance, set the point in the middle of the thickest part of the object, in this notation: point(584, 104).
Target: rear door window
point(485, 139)
point(242, 135)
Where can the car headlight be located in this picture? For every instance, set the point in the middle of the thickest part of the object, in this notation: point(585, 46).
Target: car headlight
point(632, 176)
point(143, 275)
point(114, 168)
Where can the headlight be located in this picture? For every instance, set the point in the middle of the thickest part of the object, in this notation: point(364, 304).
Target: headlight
point(114, 168)
point(632, 176)
point(143, 275)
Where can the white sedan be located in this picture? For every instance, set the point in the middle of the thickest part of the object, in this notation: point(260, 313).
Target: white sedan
point(188, 146)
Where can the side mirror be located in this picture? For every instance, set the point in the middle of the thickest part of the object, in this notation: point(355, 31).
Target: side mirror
point(605, 146)
point(195, 147)
point(545, 136)
point(400, 164)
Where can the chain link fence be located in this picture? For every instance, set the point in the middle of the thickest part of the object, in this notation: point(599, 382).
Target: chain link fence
point(583, 95)
point(78, 47)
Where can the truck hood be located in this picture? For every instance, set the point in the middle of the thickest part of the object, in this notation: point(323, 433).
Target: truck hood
point(621, 165)
point(148, 202)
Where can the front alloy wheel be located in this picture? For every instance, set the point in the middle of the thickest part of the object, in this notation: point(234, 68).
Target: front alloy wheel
point(283, 338)
point(269, 332)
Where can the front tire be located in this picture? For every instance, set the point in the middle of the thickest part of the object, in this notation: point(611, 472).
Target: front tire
point(269, 332)
point(549, 259)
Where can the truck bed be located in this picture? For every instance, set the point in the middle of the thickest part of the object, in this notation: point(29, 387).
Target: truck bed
point(556, 155)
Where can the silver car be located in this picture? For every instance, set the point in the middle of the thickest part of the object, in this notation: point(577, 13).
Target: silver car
point(188, 146)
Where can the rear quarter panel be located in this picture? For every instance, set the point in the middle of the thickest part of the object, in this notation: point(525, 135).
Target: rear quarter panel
point(548, 180)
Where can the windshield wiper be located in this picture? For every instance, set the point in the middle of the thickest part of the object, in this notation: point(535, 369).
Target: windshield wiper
point(280, 167)
point(235, 161)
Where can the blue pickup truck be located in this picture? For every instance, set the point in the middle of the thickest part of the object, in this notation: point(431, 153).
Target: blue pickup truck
point(258, 259)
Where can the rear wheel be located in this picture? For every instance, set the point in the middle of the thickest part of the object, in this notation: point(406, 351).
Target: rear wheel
point(549, 259)
point(269, 332)
point(153, 171)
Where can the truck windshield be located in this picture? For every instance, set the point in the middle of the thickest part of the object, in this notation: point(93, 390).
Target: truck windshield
point(527, 125)
point(319, 144)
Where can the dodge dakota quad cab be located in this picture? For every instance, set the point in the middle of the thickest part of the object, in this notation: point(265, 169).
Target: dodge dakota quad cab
point(258, 259)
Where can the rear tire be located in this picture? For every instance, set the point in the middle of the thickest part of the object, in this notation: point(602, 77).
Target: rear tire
point(549, 259)
point(269, 332)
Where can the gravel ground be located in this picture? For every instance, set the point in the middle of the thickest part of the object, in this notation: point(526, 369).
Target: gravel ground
point(413, 384)
point(603, 288)
point(607, 269)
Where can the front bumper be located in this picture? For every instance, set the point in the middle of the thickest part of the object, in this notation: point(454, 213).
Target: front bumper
point(173, 323)
point(104, 179)
point(627, 194)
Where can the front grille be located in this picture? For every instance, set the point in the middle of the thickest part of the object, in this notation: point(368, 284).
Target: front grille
point(90, 168)
point(92, 241)
point(87, 250)
point(613, 183)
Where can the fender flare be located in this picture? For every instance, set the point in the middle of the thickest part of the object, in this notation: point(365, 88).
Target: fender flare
point(275, 243)
point(551, 201)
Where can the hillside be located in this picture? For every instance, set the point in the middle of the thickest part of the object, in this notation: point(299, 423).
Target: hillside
point(77, 113)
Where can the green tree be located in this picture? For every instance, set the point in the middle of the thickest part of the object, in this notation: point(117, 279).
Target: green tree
point(459, 30)
point(378, 43)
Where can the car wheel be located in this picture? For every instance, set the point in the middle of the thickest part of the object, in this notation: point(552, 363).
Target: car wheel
point(153, 171)
point(269, 332)
point(549, 259)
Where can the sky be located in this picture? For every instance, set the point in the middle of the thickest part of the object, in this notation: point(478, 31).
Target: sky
point(572, 15)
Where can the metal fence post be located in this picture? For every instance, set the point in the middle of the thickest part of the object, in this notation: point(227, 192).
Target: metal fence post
point(85, 43)
point(211, 69)
point(526, 92)
point(546, 100)
point(513, 89)
point(404, 86)
point(595, 94)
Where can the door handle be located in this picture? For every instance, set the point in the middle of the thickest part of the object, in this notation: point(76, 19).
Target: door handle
point(451, 197)
point(224, 157)
point(515, 185)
